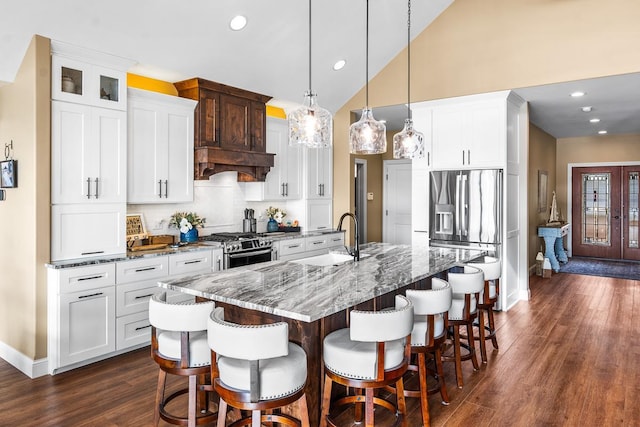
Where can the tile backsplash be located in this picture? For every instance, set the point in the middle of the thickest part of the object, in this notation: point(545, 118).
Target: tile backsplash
point(220, 200)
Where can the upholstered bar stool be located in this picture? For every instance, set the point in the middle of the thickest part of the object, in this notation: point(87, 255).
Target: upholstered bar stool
point(179, 347)
point(492, 268)
point(257, 370)
point(430, 308)
point(372, 353)
point(466, 287)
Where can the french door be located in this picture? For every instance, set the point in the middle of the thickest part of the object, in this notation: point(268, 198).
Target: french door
point(605, 212)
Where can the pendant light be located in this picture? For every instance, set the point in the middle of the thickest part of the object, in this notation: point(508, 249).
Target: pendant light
point(408, 144)
point(367, 135)
point(310, 125)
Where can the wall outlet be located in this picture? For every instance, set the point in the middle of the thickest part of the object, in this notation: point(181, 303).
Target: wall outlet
point(369, 196)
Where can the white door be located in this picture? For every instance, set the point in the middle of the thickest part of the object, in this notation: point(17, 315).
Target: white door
point(397, 202)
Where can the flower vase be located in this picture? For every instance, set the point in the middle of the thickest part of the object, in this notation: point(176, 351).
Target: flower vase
point(272, 225)
point(190, 236)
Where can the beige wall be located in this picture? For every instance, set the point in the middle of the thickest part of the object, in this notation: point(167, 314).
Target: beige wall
point(24, 215)
point(595, 149)
point(483, 46)
point(542, 157)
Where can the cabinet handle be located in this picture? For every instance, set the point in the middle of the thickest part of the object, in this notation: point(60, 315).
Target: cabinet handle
point(463, 157)
point(166, 188)
point(287, 187)
point(142, 327)
point(160, 188)
point(282, 191)
point(143, 296)
point(138, 270)
point(90, 278)
point(92, 253)
point(293, 246)
point(219, 264)
point(88, 188)
point(90, 295)
point(468, 157)
point(428, 159)
point(193, 262)
point(96, 187)
point(318, 243)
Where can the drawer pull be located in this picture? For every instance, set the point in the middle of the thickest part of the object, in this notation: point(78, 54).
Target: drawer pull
point(90, 278)
point(139, 328)
point(90, 295)
point(138, 270)
point(143, 296)
point(92, 253)
point(318, 243)
point(193, 262)
point(293, 246)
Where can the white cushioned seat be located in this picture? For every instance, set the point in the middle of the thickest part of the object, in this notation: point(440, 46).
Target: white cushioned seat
point(199, 352)
point(357, 359)
point(280, 376)
point(470, 282)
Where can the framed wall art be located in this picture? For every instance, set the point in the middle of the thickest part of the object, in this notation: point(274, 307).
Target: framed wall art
point(8, 174)
point(543, 178)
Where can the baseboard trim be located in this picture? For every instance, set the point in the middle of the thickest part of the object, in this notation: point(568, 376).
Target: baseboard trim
point(29, 367)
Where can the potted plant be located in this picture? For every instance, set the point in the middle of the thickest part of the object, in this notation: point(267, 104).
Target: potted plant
point(275, 218)
point(187, 222)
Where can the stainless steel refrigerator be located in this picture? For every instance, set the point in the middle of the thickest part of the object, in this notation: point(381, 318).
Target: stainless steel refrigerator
point(466, 208)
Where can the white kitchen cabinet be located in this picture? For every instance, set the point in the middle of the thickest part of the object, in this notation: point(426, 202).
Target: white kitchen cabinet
point(88, 152)
point(420, 169)
point(84, 231)
point(87, 77)
point(319, 214)
point(160, 148)
point(292, 249)
point(283, 182)
point(469, 134)
point(318, 172)
point(81, 314)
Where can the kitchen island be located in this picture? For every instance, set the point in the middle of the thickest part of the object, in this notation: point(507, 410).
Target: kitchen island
point(315, 300)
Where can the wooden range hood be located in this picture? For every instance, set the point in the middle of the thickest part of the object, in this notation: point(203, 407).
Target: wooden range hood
point(230, 130)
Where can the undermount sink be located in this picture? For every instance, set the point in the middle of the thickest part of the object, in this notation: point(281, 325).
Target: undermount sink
point(326, 260)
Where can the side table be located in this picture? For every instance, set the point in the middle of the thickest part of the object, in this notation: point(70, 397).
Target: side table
point(554, 250)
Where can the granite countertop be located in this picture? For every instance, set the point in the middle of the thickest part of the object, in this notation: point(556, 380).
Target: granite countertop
point(198, 246)
point(308, 293)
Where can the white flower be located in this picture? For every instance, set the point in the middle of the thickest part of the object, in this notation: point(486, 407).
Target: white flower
point(278, 216)
point(185, 225)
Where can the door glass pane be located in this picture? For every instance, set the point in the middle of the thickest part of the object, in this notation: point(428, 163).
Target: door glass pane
point(633, 210)
point(109, 88)
point(596, 209)
point(71, 81)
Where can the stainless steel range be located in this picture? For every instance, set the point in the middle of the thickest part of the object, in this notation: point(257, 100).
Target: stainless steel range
point(242, 248)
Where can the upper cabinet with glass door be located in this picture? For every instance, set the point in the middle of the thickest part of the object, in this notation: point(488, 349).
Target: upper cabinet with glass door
point(90, 78)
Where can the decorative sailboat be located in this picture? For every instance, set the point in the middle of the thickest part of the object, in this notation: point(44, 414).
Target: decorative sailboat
point(554, 215)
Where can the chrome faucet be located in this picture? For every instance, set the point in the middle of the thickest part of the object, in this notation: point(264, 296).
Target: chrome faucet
point(355, 253)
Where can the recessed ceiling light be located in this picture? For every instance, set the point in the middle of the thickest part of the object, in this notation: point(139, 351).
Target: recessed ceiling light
point(602, 132)
point(238, 22)
point(594, 120)
point(577, 94)
point(339, 65)
point(587, 109)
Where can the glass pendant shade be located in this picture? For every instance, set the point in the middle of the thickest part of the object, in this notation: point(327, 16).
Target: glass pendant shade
point(310, 125)
point(409, 143)
point(367, 135)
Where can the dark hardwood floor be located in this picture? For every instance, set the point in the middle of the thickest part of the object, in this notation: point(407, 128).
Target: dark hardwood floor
point(568, 357)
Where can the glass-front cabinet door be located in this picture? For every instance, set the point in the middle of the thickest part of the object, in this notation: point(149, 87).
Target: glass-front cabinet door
point(85, 83)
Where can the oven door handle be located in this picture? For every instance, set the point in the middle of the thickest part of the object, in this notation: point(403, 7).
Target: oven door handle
point(246, 254)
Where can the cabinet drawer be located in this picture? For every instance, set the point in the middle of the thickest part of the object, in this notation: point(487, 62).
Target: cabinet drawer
point(317, 242)
point(89, 277)
point(336, 240)
point(133, 329)
point(293, 246)
point(134, 297)
point(142, 269)
point(190, 262)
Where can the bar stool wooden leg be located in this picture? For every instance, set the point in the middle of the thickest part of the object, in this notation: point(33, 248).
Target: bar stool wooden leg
point(481, 332)
point(424, 401)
